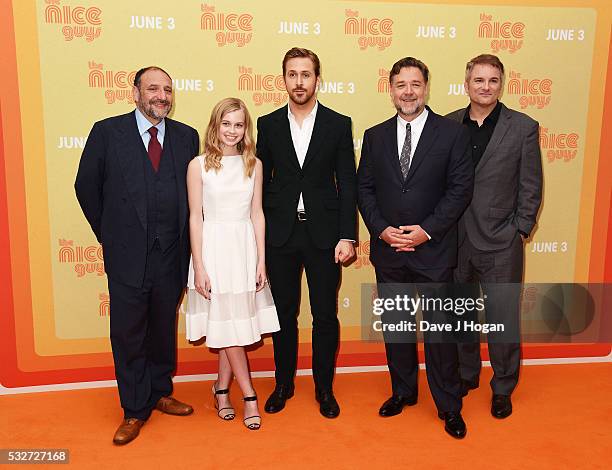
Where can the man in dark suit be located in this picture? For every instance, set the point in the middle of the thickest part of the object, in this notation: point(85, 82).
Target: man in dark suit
point(414, 181)
point(504, 146)
point(131, 187)
point(309, 200)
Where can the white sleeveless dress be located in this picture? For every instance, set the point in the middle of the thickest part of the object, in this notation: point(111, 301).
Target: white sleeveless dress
point(235, 315)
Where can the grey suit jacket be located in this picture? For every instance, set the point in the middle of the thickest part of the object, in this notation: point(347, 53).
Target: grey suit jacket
point(507, 185)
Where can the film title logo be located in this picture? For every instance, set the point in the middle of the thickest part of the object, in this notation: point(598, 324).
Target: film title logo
point(562, 146)
point(71, 142)
point(103, 305)
point(266, 88)
point(362, 250)
point(383, 81)
point(532, 92)
point(436, 32)
point(504, 35)
point(77, 21)
point(117, 85)
point(86, 259)
point(232, 28)
point(371, 32)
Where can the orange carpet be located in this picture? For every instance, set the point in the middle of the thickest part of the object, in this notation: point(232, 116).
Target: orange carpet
point(562, 419)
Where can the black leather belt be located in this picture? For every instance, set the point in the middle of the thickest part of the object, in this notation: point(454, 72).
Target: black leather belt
point(301, 216)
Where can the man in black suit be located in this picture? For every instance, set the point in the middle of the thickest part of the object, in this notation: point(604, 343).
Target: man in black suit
point(414, 181)
point(505, 149)
point(309, 201)
point(131, 188)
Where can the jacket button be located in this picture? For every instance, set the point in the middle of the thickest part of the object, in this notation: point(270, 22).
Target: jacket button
point(404, 191)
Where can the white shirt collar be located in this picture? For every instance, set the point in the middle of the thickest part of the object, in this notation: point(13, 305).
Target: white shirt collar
point(312, 114)
point(416, 122)
point(144, 125)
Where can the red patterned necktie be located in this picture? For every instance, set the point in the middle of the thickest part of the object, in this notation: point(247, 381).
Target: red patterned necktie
point(155, 149)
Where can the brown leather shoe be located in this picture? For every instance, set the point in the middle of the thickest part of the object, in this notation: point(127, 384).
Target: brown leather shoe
point(172, 406)
point(127, 431)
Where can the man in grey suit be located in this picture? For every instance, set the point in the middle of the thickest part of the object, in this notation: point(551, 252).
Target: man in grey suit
point(504, 146)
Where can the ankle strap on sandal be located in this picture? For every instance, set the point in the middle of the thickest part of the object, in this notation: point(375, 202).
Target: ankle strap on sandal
point(225, 391)
point(253, 398)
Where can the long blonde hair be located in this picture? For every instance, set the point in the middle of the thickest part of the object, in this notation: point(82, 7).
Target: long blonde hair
point(213, 153)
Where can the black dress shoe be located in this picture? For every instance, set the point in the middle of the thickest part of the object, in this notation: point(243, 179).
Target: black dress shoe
point(394, 405)
point(501, 406)
point(276, 401)
point(466, 386)
point(453, 424)
point(328, 406)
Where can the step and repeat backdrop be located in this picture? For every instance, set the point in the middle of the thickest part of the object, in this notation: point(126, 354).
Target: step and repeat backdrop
point(69, 63)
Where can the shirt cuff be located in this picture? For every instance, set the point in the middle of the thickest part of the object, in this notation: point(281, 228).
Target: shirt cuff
point(347, 240)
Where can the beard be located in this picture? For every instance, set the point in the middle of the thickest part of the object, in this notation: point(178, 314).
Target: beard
point(304, 98)
point(155, 113)
point(409, 109)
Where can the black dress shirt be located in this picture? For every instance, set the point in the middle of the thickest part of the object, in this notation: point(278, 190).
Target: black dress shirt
point(481, 135)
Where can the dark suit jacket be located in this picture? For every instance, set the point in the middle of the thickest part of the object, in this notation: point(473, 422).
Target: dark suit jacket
point(326, 180)
point(508, 183)
point(110, 187)
point(436, 191)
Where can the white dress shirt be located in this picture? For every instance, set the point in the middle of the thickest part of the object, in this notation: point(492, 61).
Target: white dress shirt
point(143, 129)
point(301, 138)
point(416, 129)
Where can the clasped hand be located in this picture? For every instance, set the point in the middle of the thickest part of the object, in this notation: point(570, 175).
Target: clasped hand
point(405, 237)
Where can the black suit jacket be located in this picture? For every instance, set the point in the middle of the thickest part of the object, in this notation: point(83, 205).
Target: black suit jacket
point(110, 187)
point(327, 179)
point(508, 183)
point(436, 191)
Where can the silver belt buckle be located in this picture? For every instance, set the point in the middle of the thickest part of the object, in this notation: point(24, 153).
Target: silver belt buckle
point(301, 216)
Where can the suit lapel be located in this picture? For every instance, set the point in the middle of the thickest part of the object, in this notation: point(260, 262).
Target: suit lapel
point(284, 134)
point(503, 124)
point(130, 154)
point(319, 131)
point(175, 148)
point(461, 115)
point(427, 139)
